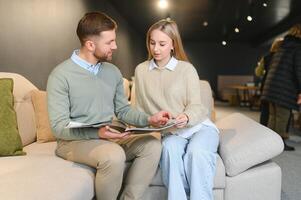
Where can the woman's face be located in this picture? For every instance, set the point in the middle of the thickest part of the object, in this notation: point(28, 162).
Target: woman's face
point(160, 45)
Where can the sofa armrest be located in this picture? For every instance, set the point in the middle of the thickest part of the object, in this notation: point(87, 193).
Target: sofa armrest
point(245, 143)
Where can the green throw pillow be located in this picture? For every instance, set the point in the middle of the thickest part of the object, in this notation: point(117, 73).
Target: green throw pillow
point(10, 140)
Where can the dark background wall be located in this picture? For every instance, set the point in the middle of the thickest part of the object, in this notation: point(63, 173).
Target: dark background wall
point(36, 35)
point(213, 59)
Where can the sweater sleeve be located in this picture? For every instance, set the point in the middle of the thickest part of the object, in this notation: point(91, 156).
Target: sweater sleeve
point(124, 111)
point(195, 110)
point(59, 111)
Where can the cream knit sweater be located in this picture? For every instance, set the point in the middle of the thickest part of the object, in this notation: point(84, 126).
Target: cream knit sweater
point(176, 91)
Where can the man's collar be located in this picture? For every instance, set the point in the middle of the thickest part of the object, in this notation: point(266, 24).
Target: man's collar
point(171, 65)
point(85, 64)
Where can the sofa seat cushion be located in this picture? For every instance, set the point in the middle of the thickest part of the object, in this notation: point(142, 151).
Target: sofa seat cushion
point(219, 179)
point(42, 175)
point(245, 143)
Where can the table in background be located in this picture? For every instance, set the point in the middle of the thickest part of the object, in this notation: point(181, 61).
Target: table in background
point(247, 95)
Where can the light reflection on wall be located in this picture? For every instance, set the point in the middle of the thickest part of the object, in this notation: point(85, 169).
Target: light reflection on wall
point(283, 9)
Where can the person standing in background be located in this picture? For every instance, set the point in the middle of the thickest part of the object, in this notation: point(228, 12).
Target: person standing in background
point(261, 71)
point(282, 88)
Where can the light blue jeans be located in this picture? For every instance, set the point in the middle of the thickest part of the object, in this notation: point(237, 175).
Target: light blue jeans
point(188, 165)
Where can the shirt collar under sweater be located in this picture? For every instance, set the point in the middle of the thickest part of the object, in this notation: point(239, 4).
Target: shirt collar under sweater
point(171, 65)
point(94, 69)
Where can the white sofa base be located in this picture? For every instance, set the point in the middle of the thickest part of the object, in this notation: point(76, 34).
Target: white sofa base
point(42, 175)
point(262, 182)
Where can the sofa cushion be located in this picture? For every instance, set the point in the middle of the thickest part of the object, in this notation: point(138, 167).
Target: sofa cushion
point(245, 143)
point(10, 141)
point(42, 175)
point(23, 107)
point(39, 101)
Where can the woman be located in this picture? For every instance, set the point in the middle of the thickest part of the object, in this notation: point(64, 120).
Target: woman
point(283, 82)
point(168, 81)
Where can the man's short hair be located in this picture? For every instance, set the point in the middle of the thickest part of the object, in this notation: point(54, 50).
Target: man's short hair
point(92, 24)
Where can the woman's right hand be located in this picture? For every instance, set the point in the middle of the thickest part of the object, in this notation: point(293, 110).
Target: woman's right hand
point(107, 133)
point(182, 120)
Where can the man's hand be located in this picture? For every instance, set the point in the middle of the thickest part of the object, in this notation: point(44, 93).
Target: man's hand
point(182, 120)
point(299, 99)
point(159, 118)
point(107, 133)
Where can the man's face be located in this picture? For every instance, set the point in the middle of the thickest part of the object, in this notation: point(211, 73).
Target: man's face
point(105, 44)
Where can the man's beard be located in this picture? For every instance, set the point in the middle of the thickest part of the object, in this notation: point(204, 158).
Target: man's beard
point(102, 58)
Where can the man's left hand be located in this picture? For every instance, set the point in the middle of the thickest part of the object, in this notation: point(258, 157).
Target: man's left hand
point(159, 118)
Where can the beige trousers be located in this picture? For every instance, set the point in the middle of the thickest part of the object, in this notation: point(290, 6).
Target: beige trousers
point(279, 119)
point(109, 159)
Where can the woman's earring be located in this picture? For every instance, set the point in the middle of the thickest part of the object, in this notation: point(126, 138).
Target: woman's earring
point(172, 52)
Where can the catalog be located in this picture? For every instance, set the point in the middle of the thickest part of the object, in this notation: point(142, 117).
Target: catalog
point(120, 126)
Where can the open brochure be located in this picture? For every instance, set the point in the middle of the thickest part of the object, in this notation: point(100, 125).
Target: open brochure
point(119, 126)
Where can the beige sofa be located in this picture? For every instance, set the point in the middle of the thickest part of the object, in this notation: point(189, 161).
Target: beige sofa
point(244, 169)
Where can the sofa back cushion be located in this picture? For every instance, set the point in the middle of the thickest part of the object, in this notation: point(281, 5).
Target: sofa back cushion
point(206, 97)
point(126, 87)
point(39, 101)
point(23, 106)
point(245, 143)
point(10, 141)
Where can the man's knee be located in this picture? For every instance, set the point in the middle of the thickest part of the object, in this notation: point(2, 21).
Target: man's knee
point(152, 145)
point(113, 157)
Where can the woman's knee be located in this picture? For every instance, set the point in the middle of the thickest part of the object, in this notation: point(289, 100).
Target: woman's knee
point(172, 141)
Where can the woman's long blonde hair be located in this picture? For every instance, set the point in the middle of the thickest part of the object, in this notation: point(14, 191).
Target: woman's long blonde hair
point(170, 28)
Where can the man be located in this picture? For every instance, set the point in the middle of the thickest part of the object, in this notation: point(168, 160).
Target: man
point(282, 88)
point(87, 89)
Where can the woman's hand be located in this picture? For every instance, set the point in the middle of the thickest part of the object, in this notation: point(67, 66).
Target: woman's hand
point(107, 133)
point(182, 120)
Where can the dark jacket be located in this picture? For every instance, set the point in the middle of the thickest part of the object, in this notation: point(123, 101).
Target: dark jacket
point(283, 81)
point(266, 64)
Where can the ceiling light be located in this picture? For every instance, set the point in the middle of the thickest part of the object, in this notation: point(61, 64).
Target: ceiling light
point(236, 29)
point(162, 4)
point(224, 43)
point(265, 4)
point(249, 18)
point(205, 23)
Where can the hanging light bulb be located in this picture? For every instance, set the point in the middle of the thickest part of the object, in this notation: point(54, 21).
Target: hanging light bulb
point(205, 23)
point(249, 18)
point(264, 4)
point(224, 43)
point(162, 4)
point(236, 30)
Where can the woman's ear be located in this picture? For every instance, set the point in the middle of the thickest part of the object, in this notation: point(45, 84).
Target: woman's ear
point(172, 51)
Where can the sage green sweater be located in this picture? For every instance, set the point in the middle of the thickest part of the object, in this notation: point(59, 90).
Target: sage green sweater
point(75, 94)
